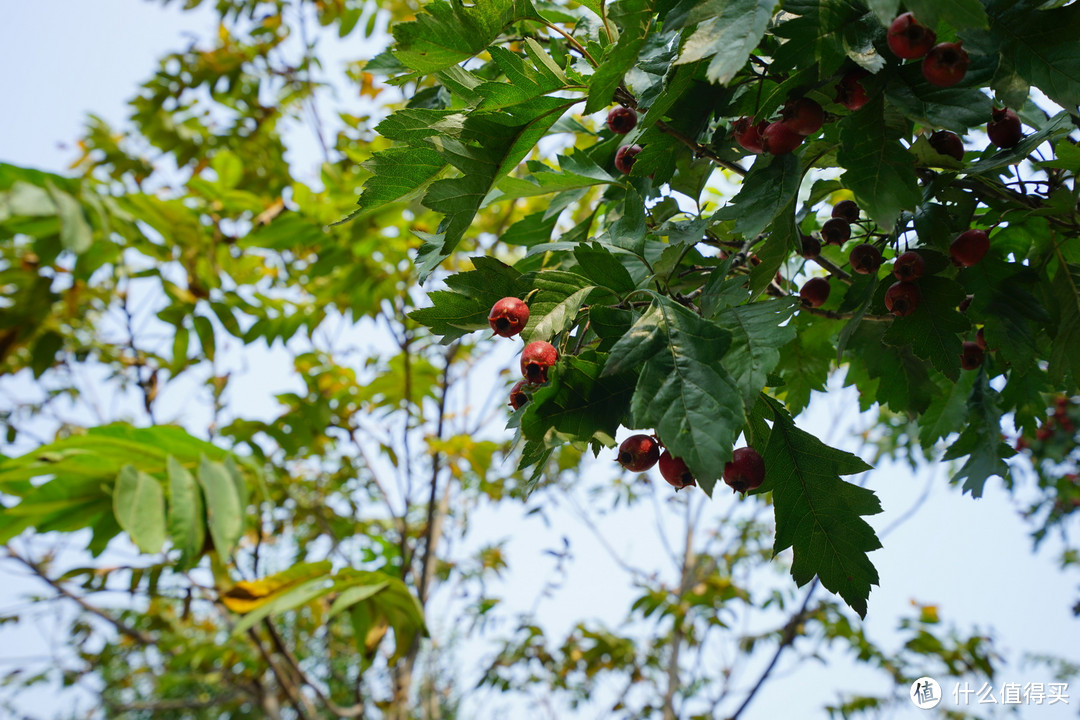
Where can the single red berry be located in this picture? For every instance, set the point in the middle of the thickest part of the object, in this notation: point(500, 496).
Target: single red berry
point(518, 396)
point(621, 120)
point(1004, 128)
point(536, 358)
point(778, 139)
point(945, 65)
point(803, 116)
point(811, 247)
point(971, 357)
point(948, 143)
point(508, 317)
point(624, 158)
point(748, 135)
point(836, 231)
point(638, 453)
point(815, 292)
point(909, 266)
point(902, 298)
point(850, 92)
point(846, 210)
point(965, 303)
point(969, 247)
point(908, 39)
point(865, 259)
point(746, 471)
point(676, 473)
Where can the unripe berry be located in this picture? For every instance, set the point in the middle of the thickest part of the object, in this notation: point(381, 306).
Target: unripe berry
point(909, 266)
point(846, 210)
point(638, 453)
point(908, 39)
point(971, 357)
point(969, 247)
point(536, 358)
point(746, 471)
point(902, 298)
point(508, 316)
point(945, 65)
point(865, 259)
point(948, 143)
point(518, 396)
point(778, 139)
point(1004, 128)
point(675, 472)
point(624, 158)
point(803, 116)
point(815, 292)
point(850, 92)
point(621, 120)
point(836, 231)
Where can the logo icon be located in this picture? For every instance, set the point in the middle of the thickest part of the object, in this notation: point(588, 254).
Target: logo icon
point(925, 693)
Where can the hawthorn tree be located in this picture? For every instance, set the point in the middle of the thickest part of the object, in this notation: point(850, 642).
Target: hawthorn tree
point(707, 208)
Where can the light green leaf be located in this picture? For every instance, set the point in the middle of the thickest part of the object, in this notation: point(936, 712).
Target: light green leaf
point(139, 505)
point(187, 521)
point(728, 31)
point(224, 513)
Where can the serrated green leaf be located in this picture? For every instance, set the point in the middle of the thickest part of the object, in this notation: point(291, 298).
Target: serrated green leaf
point(558, 317)
point(955, 109)
point(397, 174)
point(758, 331)
point(633, 18)
point(1065, 351)
point(1042, 47)
point(947, 412)
point(981, 440)
point(601, 267)
point(465, 307)
point(727, 31)
point(818, 515)
point(933, 330)
point(187, 521)
point(139, 506)
point(580, 403)
point(768, 188)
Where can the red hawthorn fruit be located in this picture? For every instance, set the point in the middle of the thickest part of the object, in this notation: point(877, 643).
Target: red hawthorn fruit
point(815, 292)
point(971, 357)
point(675, 472)
point(518, 396)
point(536, 358)
point(846, 210)
point(948, 143)
point(621, 120)
point(746, 471)
point(908, 39)
point(865, 259)
point(638, 453)
point(811, 247)
point(902, 298)
point(969, 247)
point(836, 231)
point(980, 339)
point(850, 92)
point(1004, 128)
point(625, 156)
point(748, 135)
point(508, 317)
point(803, 116)
point(965, 303)
point(779, 139)
point(909, 266)
point(946, 64)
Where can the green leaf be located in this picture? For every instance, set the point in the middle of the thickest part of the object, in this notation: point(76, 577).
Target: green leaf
point(817, 30)
point(291, 598)
point(955, 109)
point(76, 235)
point(981, 440)
point(634, 18)
point(1059, 125)
point(818, 515)
point(728, 31)
point(139, 506)
point(948, 410)
point(933, 330)
point(398, 173)
point(187, 521)
point(224, 513)
point(682, 390)
point(957, 13)
point(392, 605)
point(1042, 47)
point(877, 168)
point(553, 318)
point(447, 33)
point(1065, 351)
point(887, 374)
point(465, 307)
point(768, 188)
point(576, 170)
point(601, 267)
point(758, 331)
point(1003, 297)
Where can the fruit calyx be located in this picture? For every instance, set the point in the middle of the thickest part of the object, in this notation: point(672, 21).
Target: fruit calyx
point(536, 358)
point(625, 157)
point(902, 298)
point(621, 120)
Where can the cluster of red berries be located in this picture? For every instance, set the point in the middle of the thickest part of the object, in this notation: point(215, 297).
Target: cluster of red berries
point(865, 258)
point(508, 318)
point(621, 120)
point(1061, 423)
point(799, 119)
point(638, 453)
point(943, 64)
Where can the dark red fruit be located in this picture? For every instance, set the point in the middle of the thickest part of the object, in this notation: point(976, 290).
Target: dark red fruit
point(536, 358)
point(746, 470)
point(1004, 128)
point(965, 303)
point(980, 339)
point(803, 116)
point(969, 247)
point(909, 266)
point(508, 317)
point(638, 453)
point(621, 120)
point(846, 210)
point(815, 291)
point(779, 139)
point(948, 143)
point(811, 247)
point(748, 135)
point(518, 396)
point(675, 471)
point(624, 158)
point(836, 231)
point(850, 92)
point(908, 39)
point(945, 65)
point(865, 259)
point(971, 357)
point(902, 298)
